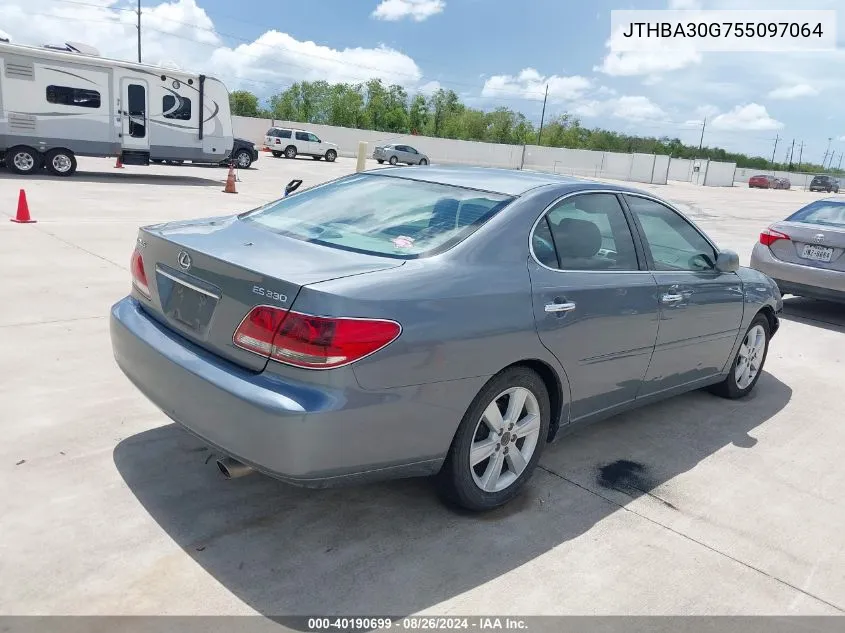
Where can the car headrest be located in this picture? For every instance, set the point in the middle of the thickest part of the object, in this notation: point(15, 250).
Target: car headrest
point(577, 238)
point(445, 214)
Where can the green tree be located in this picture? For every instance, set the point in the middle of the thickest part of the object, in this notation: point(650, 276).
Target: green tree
point(243, 103)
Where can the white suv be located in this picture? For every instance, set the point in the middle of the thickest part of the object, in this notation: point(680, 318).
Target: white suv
point(290, 143)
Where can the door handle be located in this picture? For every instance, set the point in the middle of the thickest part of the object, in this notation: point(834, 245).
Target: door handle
point(671, 298)
point(560, 307)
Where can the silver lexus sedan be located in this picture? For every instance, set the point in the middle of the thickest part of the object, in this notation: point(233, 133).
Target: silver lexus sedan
point(442, 322)
point(805, 253)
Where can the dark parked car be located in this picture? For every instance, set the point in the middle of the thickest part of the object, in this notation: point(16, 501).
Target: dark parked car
point(824, 183)
point(438, 321)
point(243, 153)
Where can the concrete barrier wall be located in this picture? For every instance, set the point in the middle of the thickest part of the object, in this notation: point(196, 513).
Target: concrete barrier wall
point(680, 169)
point(660, 173)
point(646, 168)
point(719, 174)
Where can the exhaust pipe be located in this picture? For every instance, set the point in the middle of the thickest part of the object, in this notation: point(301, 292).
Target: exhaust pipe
point(232, 469)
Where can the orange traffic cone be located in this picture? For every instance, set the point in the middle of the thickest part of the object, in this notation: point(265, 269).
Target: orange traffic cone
point(22, 216)
point(118, 164)
point(230, 180)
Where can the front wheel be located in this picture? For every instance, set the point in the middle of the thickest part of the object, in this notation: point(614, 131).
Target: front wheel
point(423, 162)
point(331, 155)
point(243, 159)
point(498, 442)
point(61, 162)
point(748, 363)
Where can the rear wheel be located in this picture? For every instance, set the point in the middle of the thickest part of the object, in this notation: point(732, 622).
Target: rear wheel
point(498, 442)
point(748, 363)
point(331, 155)
point(316, 157)
point(276, 154)
point(380, 161)
point(61, 162)
point(23, 160)
point(290, 151)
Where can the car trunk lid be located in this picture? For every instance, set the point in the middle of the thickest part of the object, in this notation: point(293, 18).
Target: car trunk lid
point(814, 245)
point(205, 276)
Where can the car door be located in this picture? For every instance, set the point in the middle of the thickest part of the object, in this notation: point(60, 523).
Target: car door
point(701, 307)
point(595, 304)
point(412, 155)
point(316, 145)
point(303, 143)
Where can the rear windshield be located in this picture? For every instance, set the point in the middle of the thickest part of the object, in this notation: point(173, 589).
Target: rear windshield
point(279, 133)
point(819, 178)
point(821, 212)
point(381, 215)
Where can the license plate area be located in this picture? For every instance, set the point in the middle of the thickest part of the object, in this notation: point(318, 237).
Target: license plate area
point(184, 303)
point(817, 253)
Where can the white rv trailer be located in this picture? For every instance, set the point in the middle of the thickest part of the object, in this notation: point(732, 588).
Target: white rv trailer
point(55, 104)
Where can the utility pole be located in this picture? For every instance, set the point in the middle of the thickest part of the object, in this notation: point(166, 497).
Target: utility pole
point(824, 160)
point(791, 153)
point(701, 140)
point(542, 116)
point(139, 31)
point(800, 155)
point(777, 138)
point(839, 166)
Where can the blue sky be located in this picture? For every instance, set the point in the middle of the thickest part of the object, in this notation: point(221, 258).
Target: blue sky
point(491, 52)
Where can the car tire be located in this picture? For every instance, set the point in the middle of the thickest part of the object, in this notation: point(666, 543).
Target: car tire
point(276, 154)
point(423, 162)
point(380, 161)
point(290, 151)
point(243, 159)
point(23, 160)
point(393, 160)
point(316, 157)
point(60, 162)
point(331, 156)
point(478, 487)
point(753, 351)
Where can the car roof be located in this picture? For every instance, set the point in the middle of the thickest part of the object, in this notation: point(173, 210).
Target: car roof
point(510, 182)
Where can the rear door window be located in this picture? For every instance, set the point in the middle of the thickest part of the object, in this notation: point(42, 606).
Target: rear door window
point(381, 215)
point(302, 136)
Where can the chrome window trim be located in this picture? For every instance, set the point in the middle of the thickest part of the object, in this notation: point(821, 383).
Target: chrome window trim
point(563, 270)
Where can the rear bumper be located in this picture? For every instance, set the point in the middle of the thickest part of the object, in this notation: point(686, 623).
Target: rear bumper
point(306, 434)
point(794, 279)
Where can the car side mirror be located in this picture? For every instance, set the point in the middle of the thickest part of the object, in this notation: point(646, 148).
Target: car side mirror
point(292, 186)
point(727, 262)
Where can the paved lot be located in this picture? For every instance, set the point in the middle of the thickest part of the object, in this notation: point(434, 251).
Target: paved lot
point(107, 508)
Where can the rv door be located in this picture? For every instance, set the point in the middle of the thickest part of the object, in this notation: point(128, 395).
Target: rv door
point(134, 108)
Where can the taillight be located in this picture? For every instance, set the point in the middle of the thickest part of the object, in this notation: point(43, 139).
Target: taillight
point(139, 275)
point(309, 341)
point(770, 236)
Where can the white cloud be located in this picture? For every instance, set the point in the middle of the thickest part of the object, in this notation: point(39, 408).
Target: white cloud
point(629, 108)
point(417, 10)
point(530, 84)
point(751, 116)
point(793, 92)
point(429, 88)
point(181, 32)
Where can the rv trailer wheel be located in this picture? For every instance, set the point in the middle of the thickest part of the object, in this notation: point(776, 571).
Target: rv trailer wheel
point(61, 162)
point(23, 160)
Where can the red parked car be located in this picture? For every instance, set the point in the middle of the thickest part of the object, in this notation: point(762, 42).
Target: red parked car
point(762, 182)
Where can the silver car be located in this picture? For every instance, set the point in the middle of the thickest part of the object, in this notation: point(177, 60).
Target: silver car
point(445, 321)
point(805, 253)
point(397, 153)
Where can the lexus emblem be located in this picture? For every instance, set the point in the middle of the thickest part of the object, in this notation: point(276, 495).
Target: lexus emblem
point(819, 238)
point(184, 260)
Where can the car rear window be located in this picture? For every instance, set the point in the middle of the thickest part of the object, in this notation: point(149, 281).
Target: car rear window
point(278, 132)
point(820, 212)
point(381, 215)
